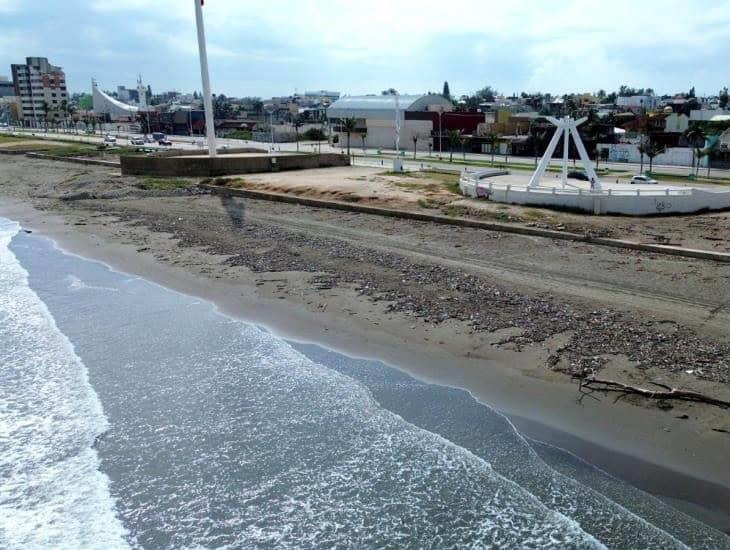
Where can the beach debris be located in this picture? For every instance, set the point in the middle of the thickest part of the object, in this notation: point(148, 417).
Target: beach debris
point(589, 384)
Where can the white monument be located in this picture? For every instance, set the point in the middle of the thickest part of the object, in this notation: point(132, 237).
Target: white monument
point(566, 127)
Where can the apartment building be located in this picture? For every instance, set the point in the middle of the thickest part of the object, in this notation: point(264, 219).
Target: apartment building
point(40, 86)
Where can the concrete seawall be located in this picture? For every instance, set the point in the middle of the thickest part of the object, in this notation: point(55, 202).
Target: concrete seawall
point(224, 165)
point(466, 222)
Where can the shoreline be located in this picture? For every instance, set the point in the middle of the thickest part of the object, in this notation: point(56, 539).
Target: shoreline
point(511, 382)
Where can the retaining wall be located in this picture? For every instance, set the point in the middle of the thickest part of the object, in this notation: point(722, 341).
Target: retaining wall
point(225, 165)
point(644, 204)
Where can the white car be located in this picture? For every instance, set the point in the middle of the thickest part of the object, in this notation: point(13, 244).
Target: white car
point(110, 139)
point(137, 141)
point(645, 180)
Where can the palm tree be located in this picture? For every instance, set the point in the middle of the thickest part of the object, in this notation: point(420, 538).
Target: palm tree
point(348, 126)
point(454, 140)
point(652, 150)
point(710, 152)
point(46, 114)
point(297, 122)
point(695, 136)
point(643, 147)
point(463, 141)
point(492, 140)
point(71, 113)
point(415, 139)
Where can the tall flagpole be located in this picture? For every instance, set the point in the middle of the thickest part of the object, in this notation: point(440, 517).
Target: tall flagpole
point(207, 101)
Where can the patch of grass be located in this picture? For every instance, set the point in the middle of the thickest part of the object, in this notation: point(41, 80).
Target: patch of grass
point(164, 184)
point(533, 215)
point(77, 150)
point(428, 181)
point(428, 203)
point(240, 134)
point(677, 178)
point(10, 138)
point(462, 211)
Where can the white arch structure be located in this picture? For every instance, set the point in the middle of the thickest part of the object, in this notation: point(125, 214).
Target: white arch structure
point(566, 127)
point(104, 104)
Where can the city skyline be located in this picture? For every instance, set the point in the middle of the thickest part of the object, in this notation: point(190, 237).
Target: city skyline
point(271, 50)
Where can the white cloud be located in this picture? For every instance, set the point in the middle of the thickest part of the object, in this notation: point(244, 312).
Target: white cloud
point(9, 6)
point(557, 46)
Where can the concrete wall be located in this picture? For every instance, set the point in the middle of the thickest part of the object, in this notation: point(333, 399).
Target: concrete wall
point(381, 135)
point(225, 165)
point(650, 203)
point(629, 152)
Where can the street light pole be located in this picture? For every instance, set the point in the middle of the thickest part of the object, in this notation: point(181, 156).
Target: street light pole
point(207, 101)
point(271, 123)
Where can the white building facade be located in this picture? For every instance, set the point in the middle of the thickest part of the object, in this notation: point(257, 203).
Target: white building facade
point(376, 119)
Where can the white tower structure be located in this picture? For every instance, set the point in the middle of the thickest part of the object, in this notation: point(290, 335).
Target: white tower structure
point(142, 91)
point(207, 100)
point(566, 127)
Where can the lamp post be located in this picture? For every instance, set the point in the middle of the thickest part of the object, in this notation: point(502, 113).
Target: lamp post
point(271, 126)
point(441, 112)
point(207, 101)
point(397, 162)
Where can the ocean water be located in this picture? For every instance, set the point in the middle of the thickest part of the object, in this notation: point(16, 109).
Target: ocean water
point(131, 415)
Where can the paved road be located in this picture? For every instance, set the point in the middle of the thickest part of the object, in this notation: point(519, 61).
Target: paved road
point(189, 142)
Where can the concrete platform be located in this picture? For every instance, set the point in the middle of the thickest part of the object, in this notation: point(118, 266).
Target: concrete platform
point(614, 198)
point(196, 165)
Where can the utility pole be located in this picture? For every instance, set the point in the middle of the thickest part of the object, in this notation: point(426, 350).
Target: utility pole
point(207, 101)
point(397, 162)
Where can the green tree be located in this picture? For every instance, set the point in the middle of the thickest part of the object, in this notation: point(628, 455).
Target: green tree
point(297, 123)
point(463, 140)
point(222, 108)
point(446, 92)
point(696, 138)
point(492, 139)
point(643, 148)
point(454, 140)
point(709, 152)
point(652, 150)
point(348, 126)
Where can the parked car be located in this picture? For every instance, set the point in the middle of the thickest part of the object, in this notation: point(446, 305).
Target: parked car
point(165, 142)
point(643, 180)
point(110, 139)
point(578, 175)
point(157, 136)
point(137, 141)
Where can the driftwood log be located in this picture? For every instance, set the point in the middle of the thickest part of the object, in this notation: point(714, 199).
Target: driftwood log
point(590, 384)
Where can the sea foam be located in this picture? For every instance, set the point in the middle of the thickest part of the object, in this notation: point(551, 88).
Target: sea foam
point(52, 493)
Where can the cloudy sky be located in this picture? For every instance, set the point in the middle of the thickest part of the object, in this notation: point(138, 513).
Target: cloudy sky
point(275, 48)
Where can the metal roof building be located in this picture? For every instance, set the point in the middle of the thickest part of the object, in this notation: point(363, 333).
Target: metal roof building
point(382, 107)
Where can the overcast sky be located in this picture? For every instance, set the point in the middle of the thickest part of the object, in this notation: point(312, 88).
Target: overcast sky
point(275, 48)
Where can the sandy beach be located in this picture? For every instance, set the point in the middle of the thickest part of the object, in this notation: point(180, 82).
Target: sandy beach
point(507, 317)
